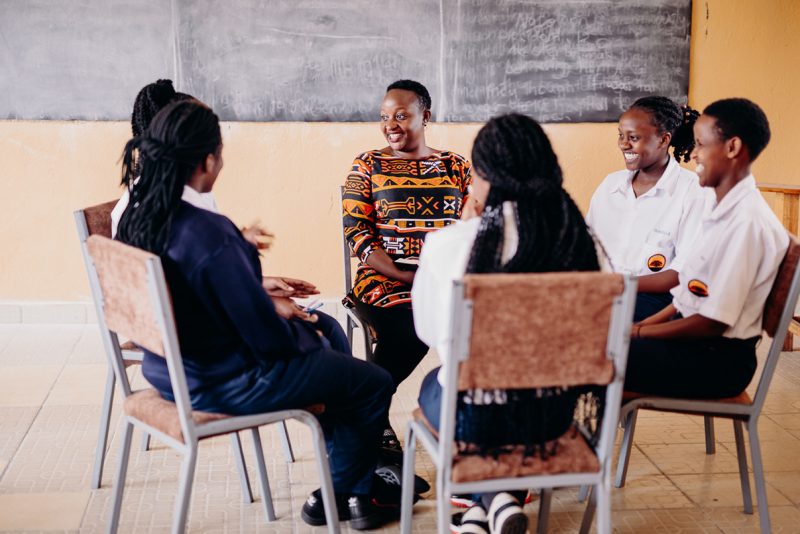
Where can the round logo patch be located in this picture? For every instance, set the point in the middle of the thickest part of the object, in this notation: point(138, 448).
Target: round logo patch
point(656, 262)
point(698, 288)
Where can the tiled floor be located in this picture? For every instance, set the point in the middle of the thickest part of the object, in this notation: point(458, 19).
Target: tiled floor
point(51, 381)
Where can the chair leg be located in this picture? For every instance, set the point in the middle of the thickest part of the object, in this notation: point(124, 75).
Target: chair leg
point(288, 453)
point(544, 510)
point(263, 477)
point(583, 492)
point(119, 481)
point(145, 442)
point(603, 508)
point(442, 503)
point(588, 514)
point(369, 354)
point(325, 482)
point(741, 455)
point(102, 435)
point(184, 490)
point(625, 449)
point(758, 475)
point(241, 467)
point(407, 485)
point(711, 443)
point(349, 330)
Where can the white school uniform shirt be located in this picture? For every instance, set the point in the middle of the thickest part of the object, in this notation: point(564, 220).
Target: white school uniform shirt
point(645, 235)
point(444, 260)
point(730, 270)
point(204, 201)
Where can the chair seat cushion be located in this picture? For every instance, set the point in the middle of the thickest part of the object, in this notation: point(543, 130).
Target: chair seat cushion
point(150, 408)
point(741, 398)
point(574, 456)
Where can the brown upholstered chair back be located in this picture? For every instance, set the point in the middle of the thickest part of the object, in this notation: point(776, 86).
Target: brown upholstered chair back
point(98, 218)
point(539, 330)
point(780, 289)
point(122, 272)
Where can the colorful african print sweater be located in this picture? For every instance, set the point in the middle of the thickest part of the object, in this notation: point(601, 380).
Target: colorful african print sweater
point(392, 203)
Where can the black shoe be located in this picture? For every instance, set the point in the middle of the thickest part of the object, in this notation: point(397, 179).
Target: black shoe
point(390, 450)
point(393, 474)
point(313, 511)
point(367, 514)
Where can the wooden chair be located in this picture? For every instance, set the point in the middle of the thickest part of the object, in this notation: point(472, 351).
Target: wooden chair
point(136, 303)
point(789, 213)
point(96, 220)
point(574, 331)
point(742, 410)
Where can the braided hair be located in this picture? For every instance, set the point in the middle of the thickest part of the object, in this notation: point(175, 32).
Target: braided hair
point(671, 118)
point(179, 139)
point(514, 155)
point(150, 100)
point(423, 96)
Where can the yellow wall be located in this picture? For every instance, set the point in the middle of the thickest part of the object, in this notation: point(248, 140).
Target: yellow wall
point(287, 174)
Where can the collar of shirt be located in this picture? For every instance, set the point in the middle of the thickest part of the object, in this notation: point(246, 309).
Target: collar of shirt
point(198, 200)
point(666, 183)
point(734, 196)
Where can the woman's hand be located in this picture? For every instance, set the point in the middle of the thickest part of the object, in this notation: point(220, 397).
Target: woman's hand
point(406, 277)
point(281, 286)
point(288, 309)
point(258, 236)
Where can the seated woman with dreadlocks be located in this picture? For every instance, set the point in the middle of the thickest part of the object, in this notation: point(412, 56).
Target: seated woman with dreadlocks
point(151, 99)
point(240, 355)
point(523, 222)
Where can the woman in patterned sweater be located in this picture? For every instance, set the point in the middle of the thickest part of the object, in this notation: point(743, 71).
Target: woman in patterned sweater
point(393, 197)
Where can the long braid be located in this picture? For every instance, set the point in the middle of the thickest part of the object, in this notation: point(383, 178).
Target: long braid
point(178, 140)
point(514, 155)
point(671, 118)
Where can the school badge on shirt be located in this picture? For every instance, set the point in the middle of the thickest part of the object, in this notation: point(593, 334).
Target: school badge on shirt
point(698, 287)
point(656, 262)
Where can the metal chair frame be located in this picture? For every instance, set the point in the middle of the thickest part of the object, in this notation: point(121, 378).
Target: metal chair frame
point(192, 432)
point(742, 414)
point(441, 447)
point(135, 357)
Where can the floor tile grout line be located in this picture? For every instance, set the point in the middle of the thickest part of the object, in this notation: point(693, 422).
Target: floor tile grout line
point(39, 410)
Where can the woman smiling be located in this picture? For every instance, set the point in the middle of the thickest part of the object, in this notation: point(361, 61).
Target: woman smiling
point(393, 197)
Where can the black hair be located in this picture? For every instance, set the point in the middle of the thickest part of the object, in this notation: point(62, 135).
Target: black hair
point(742, 118)
point(423, 96)
point(150, 100)
point(514, 155)
point(671, 118)
point(179, 139)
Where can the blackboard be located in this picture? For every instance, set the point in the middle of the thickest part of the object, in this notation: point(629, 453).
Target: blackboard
point(330, 60)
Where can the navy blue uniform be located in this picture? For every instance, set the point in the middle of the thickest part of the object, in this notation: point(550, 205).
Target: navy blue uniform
point(241, 357)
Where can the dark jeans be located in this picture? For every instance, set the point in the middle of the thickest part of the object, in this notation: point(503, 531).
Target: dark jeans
point(398, 349)
point(430, 402)
point(712, 368)
point(648, 304)
point(332, 331)
point(356, 395)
